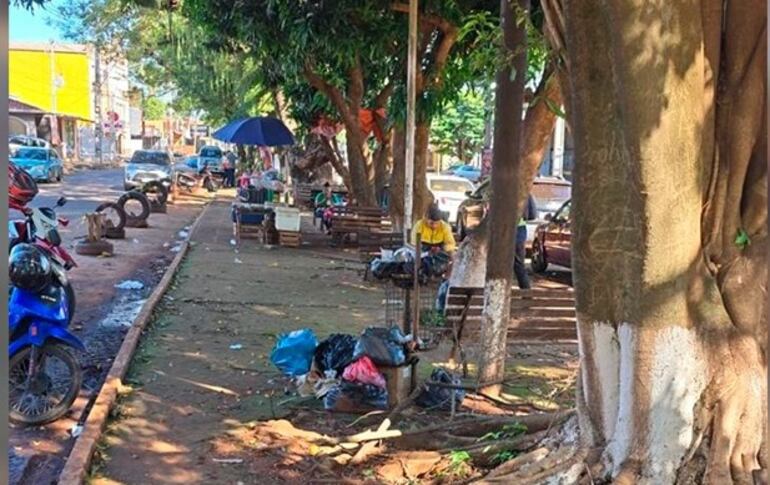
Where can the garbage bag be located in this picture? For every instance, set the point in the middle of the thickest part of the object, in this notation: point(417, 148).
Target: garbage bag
point(334, 354)
point(382, 269)
point(435, 397)
point(293, 353)
point(385, 346)
point(351, 397)
point(363, 371)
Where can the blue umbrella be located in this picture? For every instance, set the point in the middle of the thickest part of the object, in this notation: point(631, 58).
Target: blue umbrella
point(257, 130)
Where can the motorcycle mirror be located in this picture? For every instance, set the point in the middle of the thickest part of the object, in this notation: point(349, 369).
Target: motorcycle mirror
point(61, 201)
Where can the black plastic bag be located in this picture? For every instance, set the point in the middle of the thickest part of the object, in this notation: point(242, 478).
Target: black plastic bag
point(335, 353)
point(385, 346)
point(436, 397)
point(352, 397)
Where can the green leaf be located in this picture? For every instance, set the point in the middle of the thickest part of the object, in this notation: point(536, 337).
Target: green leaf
point(742, 239)
point(554, 108)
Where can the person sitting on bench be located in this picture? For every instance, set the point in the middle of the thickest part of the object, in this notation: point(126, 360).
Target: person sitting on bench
point(435, 233)
point(323, 203)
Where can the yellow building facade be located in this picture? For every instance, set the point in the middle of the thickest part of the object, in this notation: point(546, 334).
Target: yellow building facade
point(55, 79)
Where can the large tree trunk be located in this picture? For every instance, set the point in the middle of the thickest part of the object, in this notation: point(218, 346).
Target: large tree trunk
point(396, 207)
point(505, 166)
point(668, 116)
point(422, 196)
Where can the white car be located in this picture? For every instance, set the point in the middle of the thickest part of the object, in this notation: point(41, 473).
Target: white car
point(449, 191)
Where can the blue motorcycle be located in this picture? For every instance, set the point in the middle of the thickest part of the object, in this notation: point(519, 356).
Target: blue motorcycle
point(44, 375)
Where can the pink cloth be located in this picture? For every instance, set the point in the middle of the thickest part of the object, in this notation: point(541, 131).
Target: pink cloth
point(365, 372)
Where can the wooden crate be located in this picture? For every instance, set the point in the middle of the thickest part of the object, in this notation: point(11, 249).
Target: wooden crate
point(289, 239)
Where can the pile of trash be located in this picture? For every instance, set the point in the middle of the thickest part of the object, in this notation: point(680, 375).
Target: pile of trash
point(398, 266)
point(344, 370)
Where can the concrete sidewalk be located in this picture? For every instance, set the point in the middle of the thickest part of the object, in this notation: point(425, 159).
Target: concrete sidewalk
point(193, 384)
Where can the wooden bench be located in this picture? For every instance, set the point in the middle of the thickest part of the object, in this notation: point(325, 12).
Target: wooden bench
point(357, 221)
point(304, 194)
point(540, 315)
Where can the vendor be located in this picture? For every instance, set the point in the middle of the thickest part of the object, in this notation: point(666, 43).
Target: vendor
point(435, 233)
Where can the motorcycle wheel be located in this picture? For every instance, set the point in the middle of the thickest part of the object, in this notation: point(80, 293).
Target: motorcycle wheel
point(49, 394)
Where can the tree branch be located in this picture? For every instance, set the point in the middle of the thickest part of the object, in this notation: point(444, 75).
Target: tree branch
point(331, 92)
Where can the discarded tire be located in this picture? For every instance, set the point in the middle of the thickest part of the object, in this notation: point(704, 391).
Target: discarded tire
point(156, 192)
point(114, 214)
point(137, 223)
point(158, 209)
point(133, 218)
point(114, 233)
point(96, 248)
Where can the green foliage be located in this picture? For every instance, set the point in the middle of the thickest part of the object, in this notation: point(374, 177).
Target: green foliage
point(458, 459)
point(432, 318)
point(29, 4)
point(742, 239)
point(458, 130)
point(508, 431)
point(154, 108)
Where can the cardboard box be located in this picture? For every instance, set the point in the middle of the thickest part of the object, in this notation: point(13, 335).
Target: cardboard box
point(399, 382)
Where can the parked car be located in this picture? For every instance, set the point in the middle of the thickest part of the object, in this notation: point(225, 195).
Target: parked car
point(211, 156)
point(43, 164)
point(553, 241)
point(549, 193)
point(147, 166)
point(18, 141)
point(449, 192)
point(468, 172)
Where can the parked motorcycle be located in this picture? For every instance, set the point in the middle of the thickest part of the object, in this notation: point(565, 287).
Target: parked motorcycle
point(40, 228)
point(203, 178)
point(44, 375)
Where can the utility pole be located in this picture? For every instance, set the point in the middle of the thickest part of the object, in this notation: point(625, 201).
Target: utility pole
point(99, 135)
point(411, 97)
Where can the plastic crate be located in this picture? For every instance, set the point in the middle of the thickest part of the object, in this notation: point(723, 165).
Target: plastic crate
point(287, 219)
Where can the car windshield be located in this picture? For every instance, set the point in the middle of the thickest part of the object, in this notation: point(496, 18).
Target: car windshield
point(546, 191)
point(154, 158)
point(447, 185)
point(211, 152)
point(31, 154)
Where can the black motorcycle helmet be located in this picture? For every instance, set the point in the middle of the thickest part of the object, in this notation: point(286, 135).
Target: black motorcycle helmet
point(28, 268)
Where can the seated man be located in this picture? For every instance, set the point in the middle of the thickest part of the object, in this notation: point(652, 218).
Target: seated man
point(323, 203)
point(435, 233)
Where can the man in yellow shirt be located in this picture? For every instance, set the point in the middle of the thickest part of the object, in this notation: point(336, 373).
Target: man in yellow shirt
point(435, 233)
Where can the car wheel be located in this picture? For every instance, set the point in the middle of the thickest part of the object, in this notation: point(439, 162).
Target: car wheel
point(59, 176)
point(539, 262)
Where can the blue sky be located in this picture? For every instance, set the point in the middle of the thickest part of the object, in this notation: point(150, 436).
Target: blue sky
point(32, 26)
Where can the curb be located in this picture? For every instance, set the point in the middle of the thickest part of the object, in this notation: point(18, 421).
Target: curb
point(79, 460)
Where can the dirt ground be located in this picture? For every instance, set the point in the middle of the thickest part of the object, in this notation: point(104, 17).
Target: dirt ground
point(101, 319)
point(203, 394)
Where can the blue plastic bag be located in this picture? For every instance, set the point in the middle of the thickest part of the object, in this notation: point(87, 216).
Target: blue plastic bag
point(293, 353)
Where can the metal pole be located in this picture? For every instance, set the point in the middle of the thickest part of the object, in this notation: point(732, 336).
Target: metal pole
point(410, 118)
point(98, 132)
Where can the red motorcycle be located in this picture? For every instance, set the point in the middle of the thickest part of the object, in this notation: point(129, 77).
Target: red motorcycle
point(40, 228)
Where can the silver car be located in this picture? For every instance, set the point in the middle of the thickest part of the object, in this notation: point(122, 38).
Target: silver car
point(147, 166)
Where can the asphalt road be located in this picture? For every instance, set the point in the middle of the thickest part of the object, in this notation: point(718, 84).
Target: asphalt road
point(84, 191)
